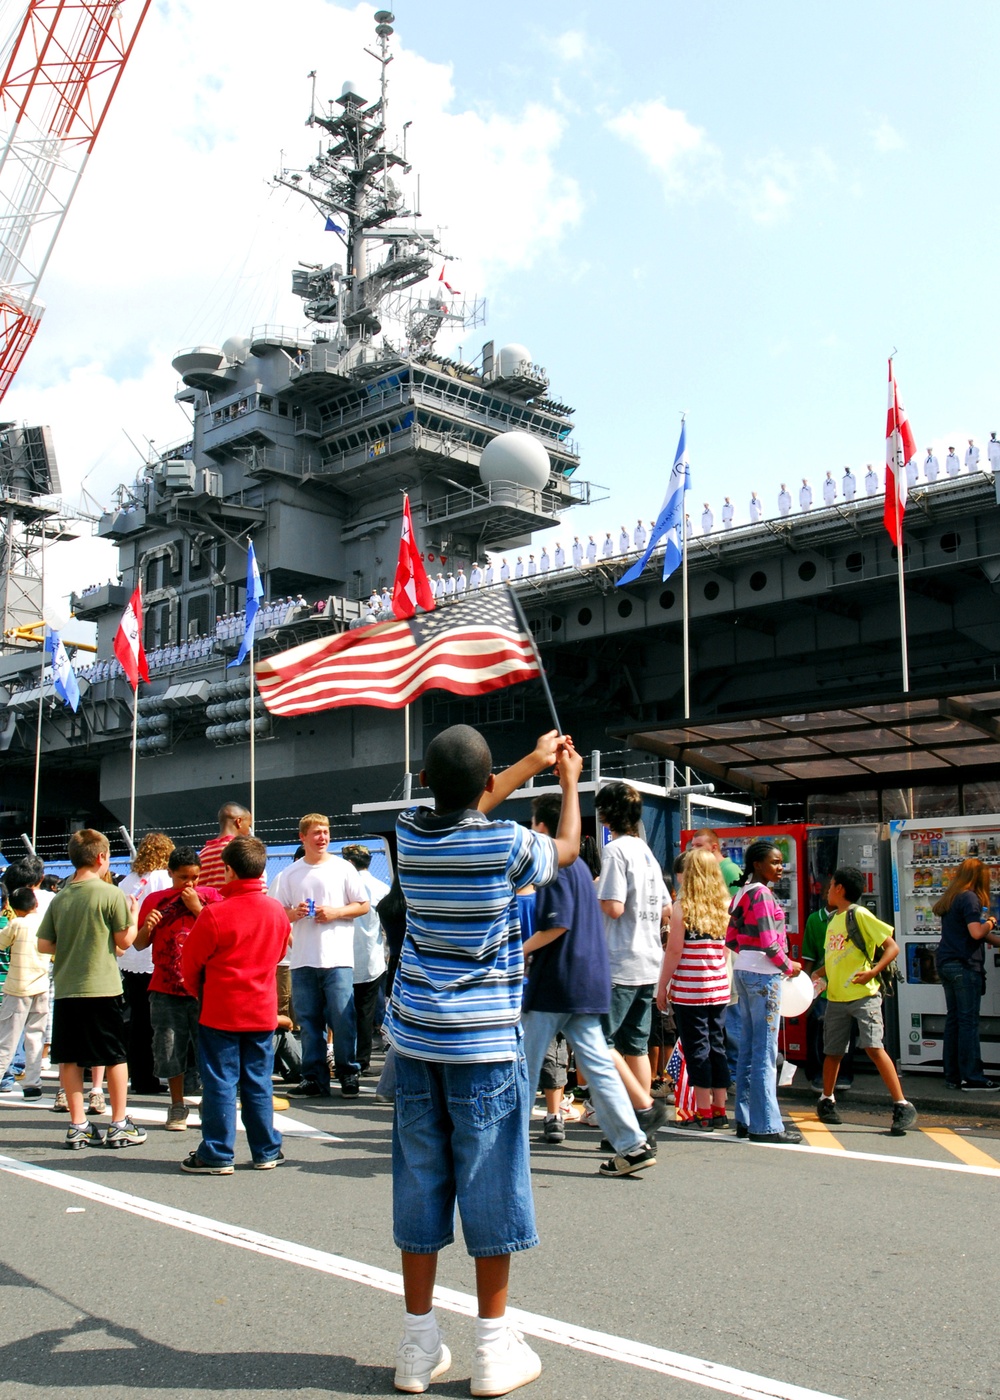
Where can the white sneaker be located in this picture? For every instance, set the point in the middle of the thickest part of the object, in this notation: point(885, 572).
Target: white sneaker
point(505, 1366)
point(416, 1368)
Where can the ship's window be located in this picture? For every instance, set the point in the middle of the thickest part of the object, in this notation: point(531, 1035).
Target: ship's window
point(807, 570)
point(282, 409)
point(758, 580)
point(854, 562)
point(625, 608)
point(584, 617)
point(949, 542)
point(711, 590)
point(264, 403)
point(667, 599)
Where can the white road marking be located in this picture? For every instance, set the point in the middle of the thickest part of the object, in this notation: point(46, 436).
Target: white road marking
point(290, 1127)
point(696, 1371)
point(840, 1153)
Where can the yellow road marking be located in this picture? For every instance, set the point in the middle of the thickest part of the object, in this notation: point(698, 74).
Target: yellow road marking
point(815, 1133)
point(958, 1147)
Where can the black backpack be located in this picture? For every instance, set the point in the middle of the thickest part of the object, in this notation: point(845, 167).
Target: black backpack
point(888, 978)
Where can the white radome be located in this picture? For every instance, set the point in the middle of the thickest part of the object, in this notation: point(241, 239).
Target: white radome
point(513, 359)
point(518, 457)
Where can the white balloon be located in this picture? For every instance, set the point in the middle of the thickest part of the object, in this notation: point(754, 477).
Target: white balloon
point(796, 994)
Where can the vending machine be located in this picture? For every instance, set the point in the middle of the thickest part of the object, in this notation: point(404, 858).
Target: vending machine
point(792, 893)
point(925, 856)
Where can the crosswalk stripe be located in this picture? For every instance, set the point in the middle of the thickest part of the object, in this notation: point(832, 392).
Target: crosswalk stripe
point(815, 1133)
point(958, 1147)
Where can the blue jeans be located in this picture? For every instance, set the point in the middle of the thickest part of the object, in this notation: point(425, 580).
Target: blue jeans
point(16, 1066)
point(607, 1092)
point(757, 1070)
point(460, 1133)
point(324, 996)
point(229, 1060)
point(734, 1029)
point(963, 992)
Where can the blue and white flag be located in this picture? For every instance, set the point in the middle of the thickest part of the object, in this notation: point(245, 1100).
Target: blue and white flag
point(670, 521)
point(331, 227)
point(255, 591)
point(63, 676)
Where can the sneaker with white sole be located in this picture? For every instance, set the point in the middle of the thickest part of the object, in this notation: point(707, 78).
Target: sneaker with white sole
point(84, 1135)
point(96, 1104)
point(177, 1118)
point(416, 1368)
point(504, 1366)
point(61, 1104)
point(192, 1163)
point(554, 1129)
point(624, 1164)
point(125, 1134)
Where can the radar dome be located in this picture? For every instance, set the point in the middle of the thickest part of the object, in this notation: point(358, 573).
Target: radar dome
point(511, 358)
point(516, 457)
point(236, 349)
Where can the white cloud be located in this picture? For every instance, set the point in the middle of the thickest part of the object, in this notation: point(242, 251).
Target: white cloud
point(680, 153)
point(886, 138)
point(572, 46)
point(767, 189)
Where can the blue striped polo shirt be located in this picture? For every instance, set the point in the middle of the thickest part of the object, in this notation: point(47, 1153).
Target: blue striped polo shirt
point(457, 994)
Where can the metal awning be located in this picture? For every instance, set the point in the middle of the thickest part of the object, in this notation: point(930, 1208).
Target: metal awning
point(904, 742)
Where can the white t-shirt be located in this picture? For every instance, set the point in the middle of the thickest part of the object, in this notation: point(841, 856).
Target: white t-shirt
point(134, 960)
point(630, 875)
point(369, 940)
point(333, 882)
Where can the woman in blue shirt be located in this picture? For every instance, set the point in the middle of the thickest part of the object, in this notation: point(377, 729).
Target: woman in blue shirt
point(961, 965)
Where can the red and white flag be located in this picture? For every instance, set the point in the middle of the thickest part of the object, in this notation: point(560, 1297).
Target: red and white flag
point(412, 586)
point(469, 648)
point(900, 448)
point(128, 642)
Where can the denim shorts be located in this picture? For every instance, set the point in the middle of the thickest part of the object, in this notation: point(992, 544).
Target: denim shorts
point(627, 1025)
point(460, 1134)
point(866, 1011)
point(175, 1032)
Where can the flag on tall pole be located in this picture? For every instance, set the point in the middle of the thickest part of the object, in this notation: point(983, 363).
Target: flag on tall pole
point(128, 642)
point(900, 449)
point(63, 676)
point(411, 586)
point(255, 591)
point(669, 525)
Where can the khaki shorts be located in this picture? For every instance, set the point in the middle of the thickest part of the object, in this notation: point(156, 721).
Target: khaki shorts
point(867, 1011)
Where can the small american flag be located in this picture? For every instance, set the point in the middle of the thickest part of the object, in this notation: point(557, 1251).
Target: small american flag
point(683, 1093)
point(468, 648)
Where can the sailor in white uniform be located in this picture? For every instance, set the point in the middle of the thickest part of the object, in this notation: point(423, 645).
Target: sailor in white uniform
point(727, 514)
point(449, 586)
point(849, 485)
point(972, 457)
point(386, 600)
point(805, 495)
point(504, 571)
point(519, 568)
point(784, 500)
point(993, 453)
point(560, 556)
point(639, 535)
point(488, 574)
point(757, 510)
point(607, 545)
point(439, 586)
point(461, 583)
point(577, 552)
point(871, 481)
point(532, 566)
point(544, 562)
point(476, 577)
point(912, 473)
point(829, 490)
point(374, 603)
point(687, 526)
point(624, 543)
point(931, 466)
point(591, 550)
point(707, 520)
point(951, 463)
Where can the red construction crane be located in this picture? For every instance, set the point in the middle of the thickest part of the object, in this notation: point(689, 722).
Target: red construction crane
point(61, 71)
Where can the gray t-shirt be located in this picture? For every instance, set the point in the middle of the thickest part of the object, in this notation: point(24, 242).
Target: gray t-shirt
point(630, 875)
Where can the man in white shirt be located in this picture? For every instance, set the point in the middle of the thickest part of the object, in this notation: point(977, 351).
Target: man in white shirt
point(386, 600)
point(608, 545)
point(727, 514)
point(449, 585)
point(577, 551)
point(931, 466)
point(504, 571)
point(951, 463)
point(369, 954)
point(849, 485)
point(993, 453)
point(544, 563)
point(439, 585)
point(591, 550)
point(322, 896)
point(639, 535)
point(784, 500)
point(561, 555)
point(624, 543)
point(972, 457)
point(488, 574)
point(805, 495)
point(476, 577)
point(532, 566)
point(519, 568)
point(829, 490)
point(461, 583)
point(707, 520)
point(757, 510)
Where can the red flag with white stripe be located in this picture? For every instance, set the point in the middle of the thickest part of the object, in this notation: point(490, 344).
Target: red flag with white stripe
point(900, 448)
point(128, 642)
point(412, 586)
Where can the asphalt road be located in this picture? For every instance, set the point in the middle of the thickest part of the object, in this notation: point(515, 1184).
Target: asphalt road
point(858, 1266)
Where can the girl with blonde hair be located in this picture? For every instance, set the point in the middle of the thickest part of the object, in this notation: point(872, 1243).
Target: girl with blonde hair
point(695, 976)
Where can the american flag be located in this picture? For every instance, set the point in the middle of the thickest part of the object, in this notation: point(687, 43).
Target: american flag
point(468, 648)
point(683, 1093)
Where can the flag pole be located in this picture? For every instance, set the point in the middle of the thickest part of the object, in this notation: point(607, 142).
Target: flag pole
point(407, 775)
point(253, 729)
point(686, 644)
point(516, 603)
point(899, 569)
point(135, 731)
point(41, 697)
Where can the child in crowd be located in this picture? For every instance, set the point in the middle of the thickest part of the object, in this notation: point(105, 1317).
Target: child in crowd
point(25, 1005)
point(83, 926)
point(463, 1101)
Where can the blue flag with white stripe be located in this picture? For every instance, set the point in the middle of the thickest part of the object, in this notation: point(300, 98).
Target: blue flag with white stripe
point(255, 591)
point(63, 676)
point(670, 521)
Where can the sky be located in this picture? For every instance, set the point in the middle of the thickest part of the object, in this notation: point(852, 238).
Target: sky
point(732, 211)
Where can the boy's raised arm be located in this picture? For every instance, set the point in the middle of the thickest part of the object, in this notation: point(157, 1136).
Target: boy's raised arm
point(569, 766)
point(542, 756)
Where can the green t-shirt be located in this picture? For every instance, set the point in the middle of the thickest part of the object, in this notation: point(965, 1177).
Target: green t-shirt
point(731, 873)
point(814, 939)
point(843, 959)
point(81, 921)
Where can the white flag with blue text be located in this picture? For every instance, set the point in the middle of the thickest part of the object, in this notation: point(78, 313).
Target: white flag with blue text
point(63, 676)
point(670, 521)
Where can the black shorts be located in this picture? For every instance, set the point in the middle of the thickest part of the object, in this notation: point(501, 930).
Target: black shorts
point(88, 1031)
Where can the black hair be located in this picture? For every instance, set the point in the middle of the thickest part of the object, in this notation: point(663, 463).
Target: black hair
point(183, 855)
point(391, 910)
point(755, 853)
point(851, 880)
point(23, 900)
point(619, 806)
point(547, 809)
point(456, 765)
point(52, 883)
point(28, 870)
point(246, 857)
point(590, 855)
